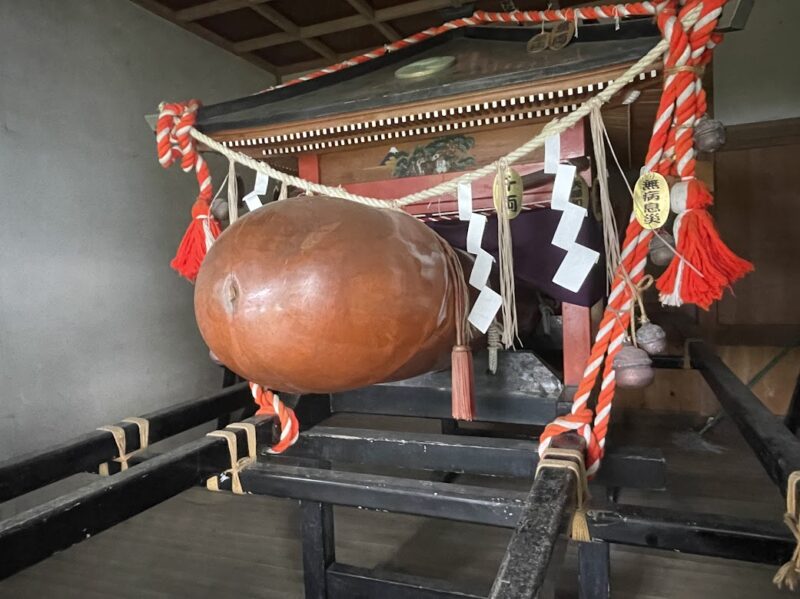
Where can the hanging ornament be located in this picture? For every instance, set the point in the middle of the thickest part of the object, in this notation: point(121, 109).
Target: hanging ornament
point(651, 201)
point(512, 196)
point(651, 338)
point(219, 209)
point(579, 194)
point(493, 346)
point(709, 134)
point(595, 201)
point(538, 42)
point(507, 193)
point(662, 248)
point(633, 368)
point(704, 266)
point(561, 35)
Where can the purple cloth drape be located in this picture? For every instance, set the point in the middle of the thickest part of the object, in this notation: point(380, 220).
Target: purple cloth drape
point(536, 260)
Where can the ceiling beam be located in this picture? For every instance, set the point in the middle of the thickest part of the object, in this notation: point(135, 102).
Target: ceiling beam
point(409, 9)
point(343, 24)
point(214, 7)
point(366, 11)
point(290, 28)
point(170, 15)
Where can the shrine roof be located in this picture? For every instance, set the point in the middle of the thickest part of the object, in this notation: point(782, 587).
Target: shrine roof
point(486, 58)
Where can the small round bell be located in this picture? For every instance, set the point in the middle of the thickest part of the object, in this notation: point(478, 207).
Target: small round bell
point(651, 338)
point(633, 368)
point(219, 209)
point(661, 248)
point(709, 135)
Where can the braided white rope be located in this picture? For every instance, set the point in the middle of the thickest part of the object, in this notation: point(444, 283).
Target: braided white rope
point(554, 127)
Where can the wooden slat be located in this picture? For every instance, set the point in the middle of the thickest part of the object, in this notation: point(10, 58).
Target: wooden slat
point(265, 41)
point(293, 30)
point(215, 7)
point(756, 214)
point(368, 12)
point(409, 9)
point(170, 15)
point(762, 135)
point(345, 23)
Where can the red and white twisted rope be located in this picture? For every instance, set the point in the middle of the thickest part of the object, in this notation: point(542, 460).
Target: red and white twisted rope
point(174, 140)
point(688, 26)
point(481, 17)
point(270, 404)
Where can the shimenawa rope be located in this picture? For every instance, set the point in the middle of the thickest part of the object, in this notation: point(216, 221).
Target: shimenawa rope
point(554, 127)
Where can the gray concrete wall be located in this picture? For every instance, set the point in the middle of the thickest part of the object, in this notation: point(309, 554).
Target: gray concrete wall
point(94, 325)
point(756, 75)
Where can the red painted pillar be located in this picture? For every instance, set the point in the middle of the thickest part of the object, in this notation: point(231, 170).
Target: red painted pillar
point(577, 332)
point(308, 167)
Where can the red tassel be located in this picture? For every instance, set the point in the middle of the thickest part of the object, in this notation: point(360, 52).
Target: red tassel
point(192, 249)
point(699, 243)
point(463, 383)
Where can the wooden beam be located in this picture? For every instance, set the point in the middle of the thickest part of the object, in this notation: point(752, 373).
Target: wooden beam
point(214, 7)
point(209, 9)
point(291, 29)
point(762, 134)
point(410, 9)
point(366, 11)
point(265, 41)
point(343, 24)
point(170, 15)
point(335, 26)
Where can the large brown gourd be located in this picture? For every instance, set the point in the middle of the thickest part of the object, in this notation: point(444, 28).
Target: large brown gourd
point(317, 295)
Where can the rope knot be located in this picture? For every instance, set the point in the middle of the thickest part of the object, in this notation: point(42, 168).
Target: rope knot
point(580, 422)
point(270, 404)
point(174, 140)
point(200, 209)
point(572, 460)
point(789, 573)
point(118, 433)
point(237, 465)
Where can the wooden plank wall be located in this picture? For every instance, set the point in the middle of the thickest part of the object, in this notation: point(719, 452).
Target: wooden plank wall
point(757, 211)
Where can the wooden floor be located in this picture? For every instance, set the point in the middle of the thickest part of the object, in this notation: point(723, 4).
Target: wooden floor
point(203, 544)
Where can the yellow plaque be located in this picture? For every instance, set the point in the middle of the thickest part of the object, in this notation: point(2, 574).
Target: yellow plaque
point(513, 194)
point(651, 201)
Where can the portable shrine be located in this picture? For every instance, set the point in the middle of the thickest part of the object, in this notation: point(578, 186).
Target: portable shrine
point(447, 104)
point(512, 120)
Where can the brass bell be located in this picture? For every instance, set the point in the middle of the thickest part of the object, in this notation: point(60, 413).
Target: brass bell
point(651, 338)
point(633, 368)
point(219, 209)
point(661, 248)
point(709, 135)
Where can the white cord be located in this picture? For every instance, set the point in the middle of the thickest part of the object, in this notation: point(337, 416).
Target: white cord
point(554, 127)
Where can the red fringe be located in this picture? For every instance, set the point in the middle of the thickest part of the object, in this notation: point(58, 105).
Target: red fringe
point(192, 249)
point(463, 383)
point(700, 244)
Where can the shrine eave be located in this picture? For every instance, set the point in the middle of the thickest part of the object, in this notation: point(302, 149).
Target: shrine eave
point(486, 59)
